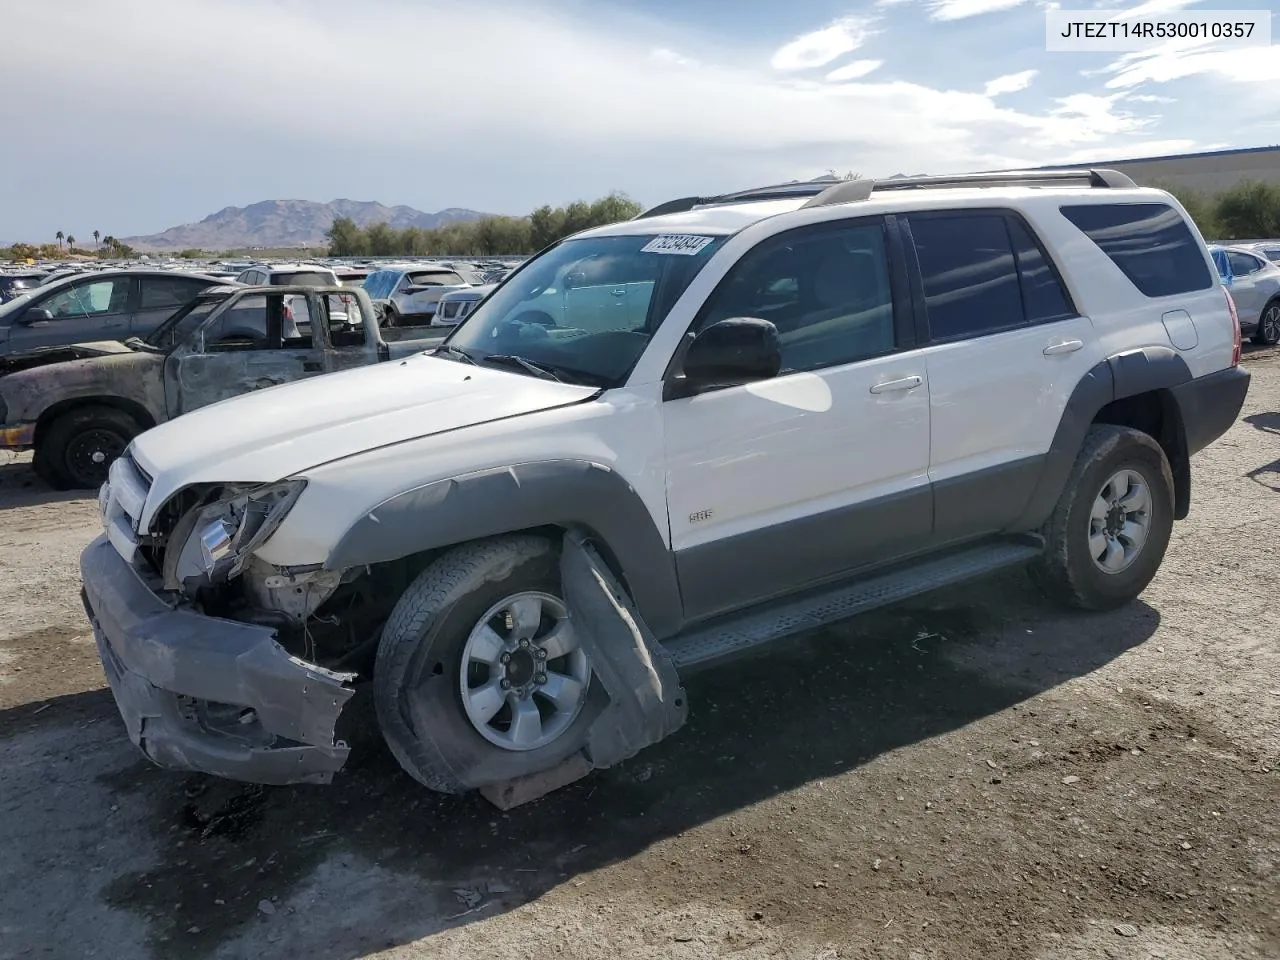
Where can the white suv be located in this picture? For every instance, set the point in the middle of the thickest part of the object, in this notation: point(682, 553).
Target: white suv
point(659, 443)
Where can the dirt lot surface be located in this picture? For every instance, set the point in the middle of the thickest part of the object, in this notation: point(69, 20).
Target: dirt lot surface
point(972, 775)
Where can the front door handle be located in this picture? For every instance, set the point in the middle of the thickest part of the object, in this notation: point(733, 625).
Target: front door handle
point(313, 365)
point(1062, 346)
point(906, 383)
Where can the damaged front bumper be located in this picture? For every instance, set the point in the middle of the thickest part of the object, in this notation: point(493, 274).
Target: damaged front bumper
point(18, 437)
point(206, 694)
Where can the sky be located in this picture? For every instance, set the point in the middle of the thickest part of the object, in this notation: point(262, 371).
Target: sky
point(131, 116)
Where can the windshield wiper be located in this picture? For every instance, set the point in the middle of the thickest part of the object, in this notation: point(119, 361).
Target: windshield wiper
point(456, 353)
point(537, 369)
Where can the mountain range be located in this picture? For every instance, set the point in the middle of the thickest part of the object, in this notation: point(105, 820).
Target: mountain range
point(288, 223)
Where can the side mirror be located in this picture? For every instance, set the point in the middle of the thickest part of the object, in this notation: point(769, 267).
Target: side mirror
point(34, 316)
point(732, 352)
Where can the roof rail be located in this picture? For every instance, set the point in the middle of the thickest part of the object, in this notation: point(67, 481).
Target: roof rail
point(826, 192)
point(851, 190)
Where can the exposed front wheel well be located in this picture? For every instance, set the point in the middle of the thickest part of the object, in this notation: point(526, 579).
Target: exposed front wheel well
point(1156, 413)
point(136, 411)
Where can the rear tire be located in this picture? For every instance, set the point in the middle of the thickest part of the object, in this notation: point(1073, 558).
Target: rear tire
point(1268, 331)
point(1109, 532)
point(76, 451)
point(429, 708)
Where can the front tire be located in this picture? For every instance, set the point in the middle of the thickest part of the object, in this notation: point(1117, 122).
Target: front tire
point(1268, 332)
point(76, 450)
point(1111, 527)
point(478, 677)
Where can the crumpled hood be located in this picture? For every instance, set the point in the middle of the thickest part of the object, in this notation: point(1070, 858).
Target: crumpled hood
point(281, 431)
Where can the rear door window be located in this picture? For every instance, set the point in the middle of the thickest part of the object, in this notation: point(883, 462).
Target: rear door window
point(161, 292)
point(1243, 264)
point(969, 274)
point(1150, 243)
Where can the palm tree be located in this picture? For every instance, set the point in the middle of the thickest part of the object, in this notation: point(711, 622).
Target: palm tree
point(97, 238)
point(59, 235)
point(71, 243)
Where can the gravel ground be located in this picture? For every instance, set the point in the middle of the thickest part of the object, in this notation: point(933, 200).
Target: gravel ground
point(972, 774)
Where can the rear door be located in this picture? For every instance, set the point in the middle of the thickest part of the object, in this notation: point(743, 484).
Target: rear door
point(250, 345)
point(1248, 295)
point(1006, 347)
point(158, 298)
point(82, 311)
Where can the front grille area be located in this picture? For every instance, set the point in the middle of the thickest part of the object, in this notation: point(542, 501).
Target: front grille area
point(120, 501)
point(450, 308)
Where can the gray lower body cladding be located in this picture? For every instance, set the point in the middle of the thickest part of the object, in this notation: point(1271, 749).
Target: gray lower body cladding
point(210, 695)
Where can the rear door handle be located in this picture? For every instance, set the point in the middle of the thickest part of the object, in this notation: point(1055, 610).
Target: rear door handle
point(1062, 346)
point(906, 383)
point(312, 365)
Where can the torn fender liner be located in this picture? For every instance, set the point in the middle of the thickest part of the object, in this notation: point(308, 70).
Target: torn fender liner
point(646, 700)
point(170, 669)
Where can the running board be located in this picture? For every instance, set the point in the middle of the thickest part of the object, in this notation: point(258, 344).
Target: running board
point(727, 637)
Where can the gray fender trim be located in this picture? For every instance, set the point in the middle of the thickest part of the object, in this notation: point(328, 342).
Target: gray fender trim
point(571, 494)
point(1122, 375)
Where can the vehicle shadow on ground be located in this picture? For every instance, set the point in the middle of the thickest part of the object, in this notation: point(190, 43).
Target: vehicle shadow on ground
point(1267, 423)
point(20, 487)
point(812, 709)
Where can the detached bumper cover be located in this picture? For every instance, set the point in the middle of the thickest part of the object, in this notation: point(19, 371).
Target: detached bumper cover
point(185, 683)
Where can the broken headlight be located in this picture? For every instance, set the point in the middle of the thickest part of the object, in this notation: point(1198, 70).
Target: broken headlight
point(212, 543)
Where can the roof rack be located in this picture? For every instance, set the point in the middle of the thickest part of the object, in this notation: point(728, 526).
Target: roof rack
point(826, 192)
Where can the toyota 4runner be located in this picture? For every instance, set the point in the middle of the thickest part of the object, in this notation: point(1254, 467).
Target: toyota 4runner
point(656, 444)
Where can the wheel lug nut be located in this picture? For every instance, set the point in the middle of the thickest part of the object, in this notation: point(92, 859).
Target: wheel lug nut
point(542, 654)
point(524, 644)
point(506, 684)
point(540, 679)
point(505, 658)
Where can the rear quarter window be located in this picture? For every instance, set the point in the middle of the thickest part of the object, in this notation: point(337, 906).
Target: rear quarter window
point(1150, 243)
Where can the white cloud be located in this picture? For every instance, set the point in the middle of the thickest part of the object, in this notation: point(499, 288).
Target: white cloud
point(855, 70)
point(571, 109)
point(1010, 83)
point(820, 47)
point(1149, 98)
point(963, 9)
point(1176, 61)
point(1150, 8)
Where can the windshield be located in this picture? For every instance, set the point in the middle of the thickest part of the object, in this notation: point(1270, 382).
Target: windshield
point(585, 309)
point(181, 323)
point(304, 279)
point(435, 278)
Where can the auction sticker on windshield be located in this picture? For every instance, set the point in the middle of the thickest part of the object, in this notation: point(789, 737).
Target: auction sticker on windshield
point(677, 243)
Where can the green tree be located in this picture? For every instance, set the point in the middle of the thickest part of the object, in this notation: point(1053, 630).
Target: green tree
point(346, 239)
point(97, 239)
point(1249, 209)
point(71, 243)
point(59, 235)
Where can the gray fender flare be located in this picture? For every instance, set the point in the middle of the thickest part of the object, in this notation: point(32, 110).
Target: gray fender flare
point(1120, 375)
point(569, 494)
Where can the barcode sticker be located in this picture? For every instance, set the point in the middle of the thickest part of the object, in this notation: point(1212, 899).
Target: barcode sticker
point(676, 243)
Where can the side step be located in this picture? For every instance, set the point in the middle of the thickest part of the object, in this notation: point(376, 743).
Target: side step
point(736, 634)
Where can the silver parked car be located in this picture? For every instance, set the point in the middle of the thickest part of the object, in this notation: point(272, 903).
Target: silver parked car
point(1254, 284)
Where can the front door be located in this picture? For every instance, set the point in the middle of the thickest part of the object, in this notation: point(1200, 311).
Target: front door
point(251, 344)
point(788, 482)
point(80, 312)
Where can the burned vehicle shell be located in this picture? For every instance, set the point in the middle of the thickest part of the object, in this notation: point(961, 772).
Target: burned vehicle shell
point(80, 415)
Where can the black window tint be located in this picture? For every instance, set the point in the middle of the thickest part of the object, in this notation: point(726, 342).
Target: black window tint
point(1149, 242)
point(825, 289)
point(160, 292)
point(969, 275)
point(1042, 295)
point(1242, 264)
